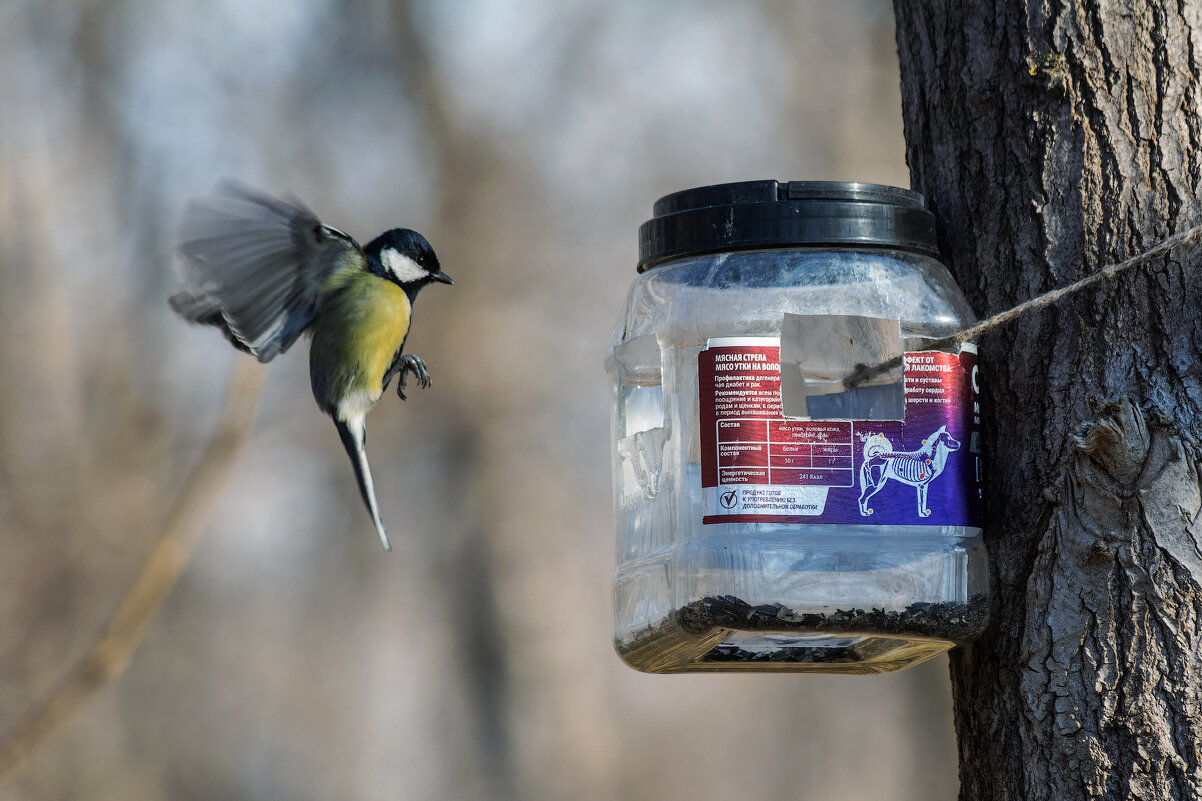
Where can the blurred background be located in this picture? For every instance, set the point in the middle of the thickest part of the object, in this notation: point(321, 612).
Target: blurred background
point(527, 139)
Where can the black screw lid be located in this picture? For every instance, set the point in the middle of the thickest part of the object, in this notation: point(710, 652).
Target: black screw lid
point(770, 214)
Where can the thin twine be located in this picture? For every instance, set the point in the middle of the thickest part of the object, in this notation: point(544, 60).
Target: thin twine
point(863, 374)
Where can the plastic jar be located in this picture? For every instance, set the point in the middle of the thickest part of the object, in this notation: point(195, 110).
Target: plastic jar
point(771, 514)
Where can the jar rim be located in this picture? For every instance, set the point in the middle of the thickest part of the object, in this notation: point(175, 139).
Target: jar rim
point(773, 214)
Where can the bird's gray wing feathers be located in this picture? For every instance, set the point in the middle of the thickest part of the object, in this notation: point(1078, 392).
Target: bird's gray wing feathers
point(253, 265)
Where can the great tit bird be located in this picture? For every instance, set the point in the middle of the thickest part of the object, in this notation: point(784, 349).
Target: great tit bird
point(265, 270)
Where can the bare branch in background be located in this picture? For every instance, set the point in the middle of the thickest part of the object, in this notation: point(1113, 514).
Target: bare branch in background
point(110, 655)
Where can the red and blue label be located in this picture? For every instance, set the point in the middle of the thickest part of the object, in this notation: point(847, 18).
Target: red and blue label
point(758, 466)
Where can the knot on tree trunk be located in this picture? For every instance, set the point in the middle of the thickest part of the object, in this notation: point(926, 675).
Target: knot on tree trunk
point(1117, 441)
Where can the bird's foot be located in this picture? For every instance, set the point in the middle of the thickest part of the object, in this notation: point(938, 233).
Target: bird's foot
point(412, 364)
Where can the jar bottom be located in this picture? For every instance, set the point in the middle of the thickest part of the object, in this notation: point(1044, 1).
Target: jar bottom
point(724, 651)
point(819, 653)
point(727, 634)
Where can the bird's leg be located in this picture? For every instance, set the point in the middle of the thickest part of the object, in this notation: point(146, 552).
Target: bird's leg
point(411, 363)
point(393, 369)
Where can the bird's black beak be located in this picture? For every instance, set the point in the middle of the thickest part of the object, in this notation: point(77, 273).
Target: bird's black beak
point(442, 278)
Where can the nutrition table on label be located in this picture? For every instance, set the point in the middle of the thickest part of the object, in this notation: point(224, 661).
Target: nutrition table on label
point(757, 451)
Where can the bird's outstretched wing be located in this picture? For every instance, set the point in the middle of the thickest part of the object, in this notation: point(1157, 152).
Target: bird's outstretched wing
point(253, 266)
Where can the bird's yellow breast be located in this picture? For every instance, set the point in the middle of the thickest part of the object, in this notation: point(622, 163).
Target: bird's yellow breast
point(363, 322)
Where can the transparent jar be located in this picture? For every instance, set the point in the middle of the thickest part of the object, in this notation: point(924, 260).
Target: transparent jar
point(762, 522)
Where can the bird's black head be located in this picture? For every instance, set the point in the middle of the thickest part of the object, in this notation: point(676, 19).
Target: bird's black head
point(405, 257)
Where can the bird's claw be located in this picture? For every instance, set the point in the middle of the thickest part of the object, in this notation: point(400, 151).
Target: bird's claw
point(412, 364)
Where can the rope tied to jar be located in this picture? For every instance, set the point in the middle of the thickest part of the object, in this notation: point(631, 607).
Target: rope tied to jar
point(865, 373)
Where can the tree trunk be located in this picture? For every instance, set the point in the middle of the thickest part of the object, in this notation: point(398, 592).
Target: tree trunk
point(1051, 140)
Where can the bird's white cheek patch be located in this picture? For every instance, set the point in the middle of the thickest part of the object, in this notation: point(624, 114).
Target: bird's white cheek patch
point(404, 268)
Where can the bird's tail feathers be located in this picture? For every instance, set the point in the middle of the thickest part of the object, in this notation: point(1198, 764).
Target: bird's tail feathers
point(354, 434)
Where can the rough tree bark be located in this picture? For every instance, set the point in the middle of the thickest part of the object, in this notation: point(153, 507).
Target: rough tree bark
point(1050, 139)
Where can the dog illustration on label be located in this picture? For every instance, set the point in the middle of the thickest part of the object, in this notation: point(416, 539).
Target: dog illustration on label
point(916, 468)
